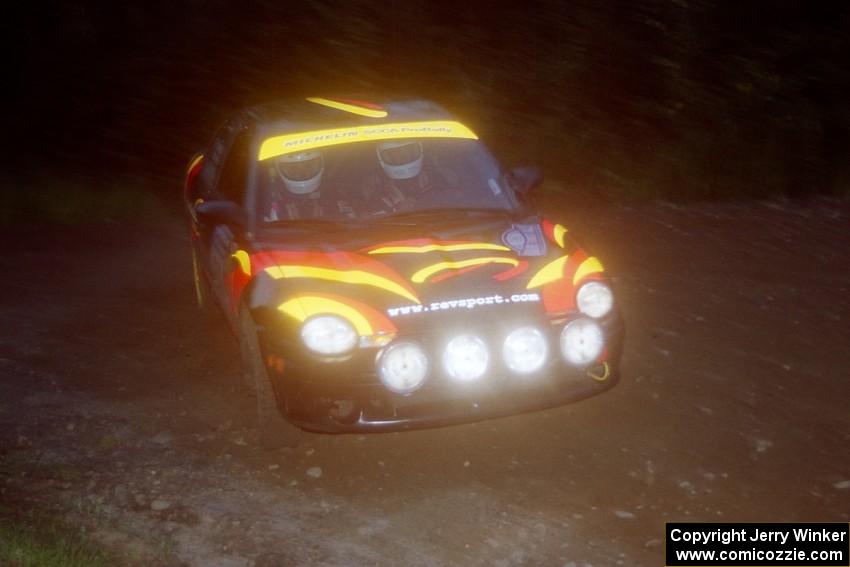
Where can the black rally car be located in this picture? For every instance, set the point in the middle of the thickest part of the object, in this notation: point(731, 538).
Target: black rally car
point(383, 272)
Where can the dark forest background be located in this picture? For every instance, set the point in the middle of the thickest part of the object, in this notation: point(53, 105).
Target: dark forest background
point(681, 99)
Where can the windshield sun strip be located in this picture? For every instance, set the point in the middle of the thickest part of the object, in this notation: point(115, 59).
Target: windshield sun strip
point(302, 141)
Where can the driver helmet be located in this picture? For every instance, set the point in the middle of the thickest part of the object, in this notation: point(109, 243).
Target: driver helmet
point(301, 172)
point(401, 159)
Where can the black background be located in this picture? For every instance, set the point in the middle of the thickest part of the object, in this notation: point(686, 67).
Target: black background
point(683, 100)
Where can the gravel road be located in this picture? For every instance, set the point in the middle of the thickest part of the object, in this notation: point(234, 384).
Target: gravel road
point(120, 408)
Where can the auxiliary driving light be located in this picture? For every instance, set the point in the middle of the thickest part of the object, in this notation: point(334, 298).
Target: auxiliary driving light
point(525, 350)
point(403, 367)
point(595, 299)
point(465, 358)
point(329, 334)
point(582, 341)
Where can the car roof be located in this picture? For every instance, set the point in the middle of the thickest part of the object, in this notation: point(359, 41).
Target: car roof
point(315, 113)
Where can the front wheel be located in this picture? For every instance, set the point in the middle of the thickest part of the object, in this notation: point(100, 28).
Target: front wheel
point(274, 431)
point(203, 291)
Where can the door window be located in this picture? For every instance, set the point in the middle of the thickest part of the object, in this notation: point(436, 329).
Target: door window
point(234, 172)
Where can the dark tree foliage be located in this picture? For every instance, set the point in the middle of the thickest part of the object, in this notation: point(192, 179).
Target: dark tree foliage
point(682, 99)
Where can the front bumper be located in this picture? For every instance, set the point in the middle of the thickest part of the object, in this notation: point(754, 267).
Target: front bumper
point(348, 398)
point(374, 410)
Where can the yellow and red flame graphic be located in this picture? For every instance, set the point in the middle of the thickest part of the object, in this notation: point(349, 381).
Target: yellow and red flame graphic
point(556, 279)
point(366, 320)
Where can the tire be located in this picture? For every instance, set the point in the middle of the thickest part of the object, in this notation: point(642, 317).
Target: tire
point(273, 430)
point(250, 352)
point(203, 291)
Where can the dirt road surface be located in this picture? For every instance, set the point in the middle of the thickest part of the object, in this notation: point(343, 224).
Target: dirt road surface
point(120, 408)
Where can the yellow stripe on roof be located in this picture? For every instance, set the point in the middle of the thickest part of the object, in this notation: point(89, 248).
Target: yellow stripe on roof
point(352, 108)
point(302, 141)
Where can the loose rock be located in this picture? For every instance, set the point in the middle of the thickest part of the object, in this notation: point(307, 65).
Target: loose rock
point(159, 505)
point(163, 438)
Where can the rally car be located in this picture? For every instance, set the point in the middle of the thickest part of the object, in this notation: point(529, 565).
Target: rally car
point(383, 272)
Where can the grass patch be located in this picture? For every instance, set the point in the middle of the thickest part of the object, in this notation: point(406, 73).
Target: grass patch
point(37, 543)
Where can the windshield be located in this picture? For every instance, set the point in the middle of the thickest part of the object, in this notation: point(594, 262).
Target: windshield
point(372, 180)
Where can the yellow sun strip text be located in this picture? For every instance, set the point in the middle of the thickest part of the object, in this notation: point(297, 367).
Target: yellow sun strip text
point(302, 141)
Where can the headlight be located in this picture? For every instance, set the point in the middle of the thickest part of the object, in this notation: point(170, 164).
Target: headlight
point(465, 358)
point(525, 350)
point(328, 334)
point(403, 367)
point(581, 342)
point(595, 299)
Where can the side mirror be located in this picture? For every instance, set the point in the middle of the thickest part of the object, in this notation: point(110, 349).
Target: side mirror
point(525, 178)
point(221, 212)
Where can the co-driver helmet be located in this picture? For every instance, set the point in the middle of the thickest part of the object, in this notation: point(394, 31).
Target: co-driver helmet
point(401, 159)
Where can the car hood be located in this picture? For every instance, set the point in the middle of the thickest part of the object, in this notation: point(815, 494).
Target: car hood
point(423, 277)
